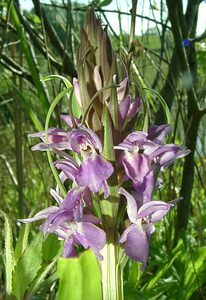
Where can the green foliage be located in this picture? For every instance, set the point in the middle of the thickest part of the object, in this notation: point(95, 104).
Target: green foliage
point(27, 267)
point(30, 60)
point(9, 260)
point(22, 241)
point(79, 278)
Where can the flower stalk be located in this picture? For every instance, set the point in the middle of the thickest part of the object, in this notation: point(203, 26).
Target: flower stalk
point(112, 273)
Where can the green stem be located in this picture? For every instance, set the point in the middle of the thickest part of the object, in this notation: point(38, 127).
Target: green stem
point(49, 114)
point(112, 273)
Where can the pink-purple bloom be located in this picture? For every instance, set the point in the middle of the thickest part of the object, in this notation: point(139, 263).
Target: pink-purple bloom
point(93, 170)
point(142, 217)
point(73, 222)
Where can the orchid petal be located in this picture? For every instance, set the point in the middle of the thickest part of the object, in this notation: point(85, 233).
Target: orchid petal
point(68, 120)
point(134, 108)
point(123, 109)
point(158, 133)
point(136, 166)
point(69, 248)
point(155, 209)
point(93, 171)
point(43, 214)
point(131, 205)
point(137, 244)
point(121, 90)
point(96, 237)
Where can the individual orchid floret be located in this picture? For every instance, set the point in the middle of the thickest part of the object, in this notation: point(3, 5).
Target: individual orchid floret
point(70, 223)
point(93, 172)
point(145, 153)
point(136, 236)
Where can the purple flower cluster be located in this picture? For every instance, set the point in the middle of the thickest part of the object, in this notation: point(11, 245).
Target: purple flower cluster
point(143, 156)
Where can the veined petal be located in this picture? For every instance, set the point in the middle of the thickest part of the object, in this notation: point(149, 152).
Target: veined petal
point(143, 191)
point(69, 168)
point(56, 219)
point(166, 154)
point(51, 131)
point(95, 237)
point(137, 244)
point(134, 108)
point(43, 146)
point(155, 209)
point(73, 198)
point(131, 205)
point(123, 108)
point(93, 171)
point(136, 166)
point(158, 133)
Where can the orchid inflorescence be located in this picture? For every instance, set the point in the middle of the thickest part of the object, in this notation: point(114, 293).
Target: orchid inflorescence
point(139, 158)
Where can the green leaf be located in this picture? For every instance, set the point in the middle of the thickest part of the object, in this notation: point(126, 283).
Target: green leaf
point(79, 278)
point(163, 103)
point(104, 3)
point(30, 59)
point(48, 117)
point(40, 280)
point(9, 260)
point(163, 269)
point(22, 241)
point(65, 80)
point(195, 272)
point(134, 274)
point(51, 246)
point(27, 267)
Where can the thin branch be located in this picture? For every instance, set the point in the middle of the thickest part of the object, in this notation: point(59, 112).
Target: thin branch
point(15, 68)
point(109, 11)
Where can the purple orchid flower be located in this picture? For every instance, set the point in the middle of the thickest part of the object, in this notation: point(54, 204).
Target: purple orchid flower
point(70, 223)
point(145, 153)
point(136, 236)
point(94, 170)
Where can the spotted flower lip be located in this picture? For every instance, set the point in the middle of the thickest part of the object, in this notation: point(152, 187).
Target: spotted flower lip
point(82, 138)
point(136, 236)
point(70, 223)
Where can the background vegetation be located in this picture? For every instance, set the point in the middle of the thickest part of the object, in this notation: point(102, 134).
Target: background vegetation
point(171, 59)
